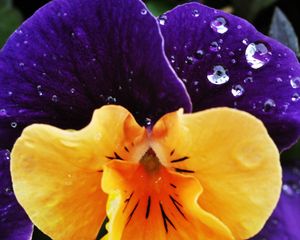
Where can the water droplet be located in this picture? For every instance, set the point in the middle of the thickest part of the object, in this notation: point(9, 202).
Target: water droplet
point(195, 13)
point(239, 26)
point(237, 90)
point(231, 53)
point(72, 90)
point(21, 64)
point(258, 54)
point(245, 41)
point(295, 97)
point(269, 105)
point(189, 60)
point(199, 54)
point(144, 11)
point(148, 122)
point(13, 124)
point(214, 47)
point(278, 79)
point(218, 76)
point(54, 99)
point(172, 59)
point(8, 192)
point(287, 190)
point(233, 61)
point(162, 19)
point(248, 80)
point(219, 25)
point(3, 112)
point(111, 100)
point(295, 82)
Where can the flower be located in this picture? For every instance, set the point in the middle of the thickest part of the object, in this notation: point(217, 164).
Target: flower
point(73, 57)
point(170, 182)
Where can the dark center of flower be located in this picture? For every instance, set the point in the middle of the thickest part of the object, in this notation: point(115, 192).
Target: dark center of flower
point(150, 161)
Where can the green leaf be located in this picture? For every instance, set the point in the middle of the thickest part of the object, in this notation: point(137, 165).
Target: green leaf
point(282, 30)
point(158, 7)
point(10, 19)
point(293, 153)
point(250, 8)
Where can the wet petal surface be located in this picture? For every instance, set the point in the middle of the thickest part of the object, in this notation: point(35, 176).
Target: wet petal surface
point(14, 222)
point(224, 61)
point(74, 56)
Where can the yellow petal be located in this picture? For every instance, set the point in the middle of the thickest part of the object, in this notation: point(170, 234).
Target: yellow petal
point(156, 205)
point(234, 159)
point(57, 174)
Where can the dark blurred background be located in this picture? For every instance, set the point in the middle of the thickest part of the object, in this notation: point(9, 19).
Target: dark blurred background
point(259, 12)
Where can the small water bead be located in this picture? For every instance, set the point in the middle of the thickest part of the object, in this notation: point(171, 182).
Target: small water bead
point(245, 41)
point(199, 54)
point(72, 90)
point(219, 25)
point(269, 106)
point(21, 64)
point(214, 47)
point(54, 99)
point(3, 112)
point(295, 97)
point(248, 80)
point(239, 27)
point(258, 54)
point(295, 82)
point(233, 61)
point(189, 60)
point(148, 122)
point(195, 13)
point(13, 124)
point(172, 59)
point(162, 19)
point(218, 75)
point(287, 190)
point(278, 79)
point(144, 11)
point(111, 100)
point(237, 90)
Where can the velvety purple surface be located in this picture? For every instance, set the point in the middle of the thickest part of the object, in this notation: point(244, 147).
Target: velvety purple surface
point(284, 223)
point(195, 44)
point(74, 56)
point(14, 223)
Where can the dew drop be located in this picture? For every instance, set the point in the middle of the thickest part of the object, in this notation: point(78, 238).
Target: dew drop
point(195, 13)
point(245, 41)
point(3, 112)
point(214, 47)
point(144, 11)
point(199, 54)
point(295, 82)
point(269, 105)
point(295, 97)
point(162, 19)
point(148, 122)
point(258, 54)
point(72, 90)
point(111, 100)
point(54, 99)
point(237, 90)
point(189, 60)
point(218, 75)
point(287, 190)
point(13, 124)
point(248, 80)
point(219, 25)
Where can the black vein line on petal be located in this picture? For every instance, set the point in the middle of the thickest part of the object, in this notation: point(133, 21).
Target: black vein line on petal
point(179, 159)
point(165, 218)
point(132, 212)
point(173, 185)
point(126, 149)
point(127, 201)
point(148, 207)
point(180, 170)
point(177, 206)
point(116, 157)
point(172, 152)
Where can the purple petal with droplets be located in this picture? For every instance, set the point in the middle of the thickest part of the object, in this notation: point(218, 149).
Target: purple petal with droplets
point(14, 223)
point(74, 56)
point(284, 222)
point(208, 48)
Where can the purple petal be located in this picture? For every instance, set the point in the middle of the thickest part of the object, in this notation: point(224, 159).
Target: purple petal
point(224, 61)
point(74, 56)
point(14, 223)
point(284, 223)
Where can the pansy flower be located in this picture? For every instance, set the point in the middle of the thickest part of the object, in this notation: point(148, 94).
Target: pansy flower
point(155, 171)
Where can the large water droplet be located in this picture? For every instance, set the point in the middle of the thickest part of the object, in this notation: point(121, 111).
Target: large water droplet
point(162, 19)
point(269, 106)
point(295, 82)
point(237, 90)
point(219, 25)
point(258, 54)
point(214, 47)
point(218, 75)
